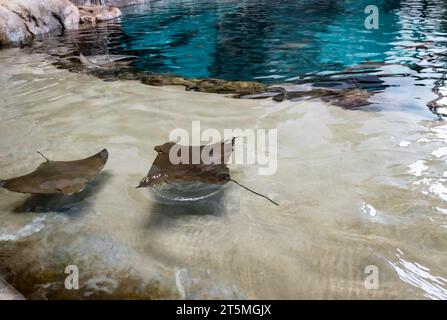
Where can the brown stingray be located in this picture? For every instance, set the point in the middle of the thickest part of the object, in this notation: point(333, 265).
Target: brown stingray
point(58, 177)
point(164, 171)
point(213, 172)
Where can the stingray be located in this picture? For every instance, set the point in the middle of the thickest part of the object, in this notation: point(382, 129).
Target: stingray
point(191, 180)
point(58, 177)
point(105, 60)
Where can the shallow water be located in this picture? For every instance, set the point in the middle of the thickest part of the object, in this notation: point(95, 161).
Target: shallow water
point(355, 188)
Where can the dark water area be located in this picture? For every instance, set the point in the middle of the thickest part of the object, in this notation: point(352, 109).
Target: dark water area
point(267, 41)
point(272, 41)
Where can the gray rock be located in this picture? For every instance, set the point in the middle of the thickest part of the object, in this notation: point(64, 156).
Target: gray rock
point(20, 20)
point(91, 15)
point(12, 27)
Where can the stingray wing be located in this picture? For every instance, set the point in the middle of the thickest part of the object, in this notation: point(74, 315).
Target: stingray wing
point(58, 177)
point(214, 172)
point(103, 60)
point(88, 63)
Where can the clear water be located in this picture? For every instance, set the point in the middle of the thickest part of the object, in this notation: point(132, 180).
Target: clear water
point(275, 41)
point(355, 188)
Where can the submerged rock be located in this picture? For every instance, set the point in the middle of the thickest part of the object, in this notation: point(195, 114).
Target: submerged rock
point(20, 20)
point(346, 98)
point(351, 94)
point(226, 86)
point(297, 92)
point(168, 80)
point(91, 15)
point(207, 85)
point(350, 99)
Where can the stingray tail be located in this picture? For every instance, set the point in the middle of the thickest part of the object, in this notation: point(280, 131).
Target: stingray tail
point(254, 192)
point(232, 140)
point(48, 160)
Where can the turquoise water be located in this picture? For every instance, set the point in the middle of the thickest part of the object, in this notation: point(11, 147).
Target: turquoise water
point(273, 41)
point(322, 42)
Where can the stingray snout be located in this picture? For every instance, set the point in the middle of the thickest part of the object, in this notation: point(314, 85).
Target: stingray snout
point(143, 183)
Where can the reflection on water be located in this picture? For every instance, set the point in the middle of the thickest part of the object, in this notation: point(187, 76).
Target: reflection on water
point(264, 40)
point(420, 277)
point(35, 226)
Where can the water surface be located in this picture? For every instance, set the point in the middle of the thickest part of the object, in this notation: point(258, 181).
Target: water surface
point(320, 42)
point(355, 189)
point(277, 41)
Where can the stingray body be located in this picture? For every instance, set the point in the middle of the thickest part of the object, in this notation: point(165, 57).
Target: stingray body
point(58, 177)
point(191, 179)
point(106, 60)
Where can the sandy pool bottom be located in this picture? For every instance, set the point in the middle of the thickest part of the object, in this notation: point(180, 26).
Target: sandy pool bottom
point(356, 189)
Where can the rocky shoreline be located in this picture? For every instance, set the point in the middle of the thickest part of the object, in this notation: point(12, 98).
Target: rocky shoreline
point(348, 93)
point(92, 15)
point(21, 20)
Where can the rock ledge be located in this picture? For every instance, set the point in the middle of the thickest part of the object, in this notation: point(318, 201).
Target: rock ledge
point(91, 15)
point(20, 20)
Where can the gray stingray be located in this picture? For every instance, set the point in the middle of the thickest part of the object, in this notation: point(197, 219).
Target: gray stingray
point(204, 177)
point(105, 60)
point(58, 177)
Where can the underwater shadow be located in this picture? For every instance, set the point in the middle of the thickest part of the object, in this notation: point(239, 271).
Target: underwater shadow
point(169, 216)
point(73, 204)
point(168, 213)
